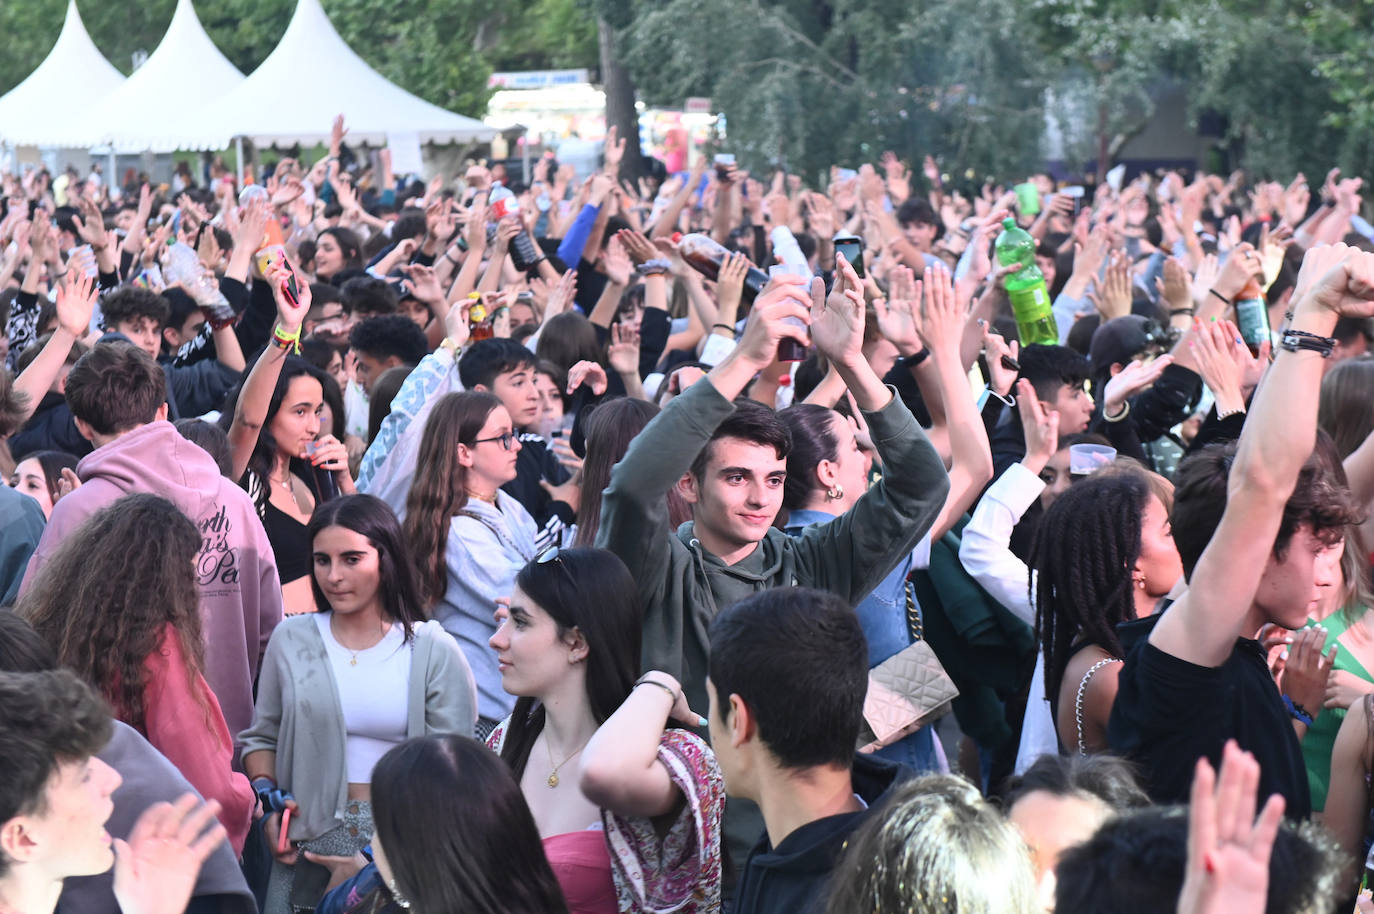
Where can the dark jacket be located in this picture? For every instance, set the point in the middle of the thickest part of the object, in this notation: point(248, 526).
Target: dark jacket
point(50, 428)
point(793, 878)
point(681, 587)
point(21, 527)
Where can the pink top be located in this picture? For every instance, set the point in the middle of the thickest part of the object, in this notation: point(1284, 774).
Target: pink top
point(193, 736)
point(582, 864)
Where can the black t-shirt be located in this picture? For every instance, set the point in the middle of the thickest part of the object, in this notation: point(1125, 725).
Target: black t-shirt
point(1169, 713)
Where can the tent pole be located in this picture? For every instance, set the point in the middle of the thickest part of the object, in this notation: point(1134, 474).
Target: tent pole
point(525, 156)
point(238, 158)
point(113, 180)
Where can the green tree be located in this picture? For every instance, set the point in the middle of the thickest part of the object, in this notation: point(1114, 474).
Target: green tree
point(806, 84)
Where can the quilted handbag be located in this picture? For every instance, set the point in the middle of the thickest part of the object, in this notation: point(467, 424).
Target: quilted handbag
point(905, 691)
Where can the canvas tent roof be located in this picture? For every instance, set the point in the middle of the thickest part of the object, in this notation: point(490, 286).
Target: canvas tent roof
point(51, 106)
point(185, 74)
point(312, 62)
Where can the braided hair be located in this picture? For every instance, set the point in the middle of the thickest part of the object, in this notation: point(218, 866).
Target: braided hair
point(1084, 550)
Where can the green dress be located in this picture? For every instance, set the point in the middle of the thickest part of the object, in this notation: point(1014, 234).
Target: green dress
point(1321, 736)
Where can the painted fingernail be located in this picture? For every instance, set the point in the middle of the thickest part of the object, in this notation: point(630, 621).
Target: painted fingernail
point(1284, 655)
point(701, 721)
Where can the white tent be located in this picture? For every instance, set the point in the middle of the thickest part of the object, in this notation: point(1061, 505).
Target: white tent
point(184, 75)
point(312, 63)
point(52, 106)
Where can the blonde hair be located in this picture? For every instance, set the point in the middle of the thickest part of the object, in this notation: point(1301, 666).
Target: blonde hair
point(935, 847)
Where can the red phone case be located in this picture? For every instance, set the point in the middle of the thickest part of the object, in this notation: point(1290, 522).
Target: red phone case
point(283, 843)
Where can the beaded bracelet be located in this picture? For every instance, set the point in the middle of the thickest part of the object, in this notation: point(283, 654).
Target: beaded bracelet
point(1298, 712)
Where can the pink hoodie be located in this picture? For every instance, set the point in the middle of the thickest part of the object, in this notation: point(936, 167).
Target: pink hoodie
point(240, 594)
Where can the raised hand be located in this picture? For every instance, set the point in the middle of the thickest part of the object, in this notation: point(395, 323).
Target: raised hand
point(995, 351)
point(1130, 381)
point(837, 319)
point(730, 282)
point(1040, 426)
point(589, 373)
point(943, 314)
point(781, 311)
point(156, 868)
point(1228, 847)
point(76, 303)
point(1114, 297)
point(623, 353)
point(289, 314)
point(637, 246)
point(1173, 285)
point(613, 151)
point(1336, 278)
point(1217, 347)
point(1243, 265)
point(422, 283)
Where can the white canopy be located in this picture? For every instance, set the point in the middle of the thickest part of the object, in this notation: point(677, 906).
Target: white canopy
point(185, 74)
point(54, 105)
point(311, 76)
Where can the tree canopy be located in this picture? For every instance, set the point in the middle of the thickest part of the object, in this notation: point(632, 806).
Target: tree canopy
point(808, 83)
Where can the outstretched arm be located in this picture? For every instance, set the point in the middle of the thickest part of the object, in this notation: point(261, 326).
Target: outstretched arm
point(1277, 439)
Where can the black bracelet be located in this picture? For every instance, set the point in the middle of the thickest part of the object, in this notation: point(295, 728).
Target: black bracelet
point(1219, 295)
point(730, 327)
point(1173, 312)
point(915, 359)
point(1294, 340)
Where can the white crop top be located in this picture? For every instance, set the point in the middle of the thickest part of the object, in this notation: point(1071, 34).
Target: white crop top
point(373, 695)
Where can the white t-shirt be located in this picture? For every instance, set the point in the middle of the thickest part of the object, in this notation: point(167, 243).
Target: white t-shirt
point(373, 685)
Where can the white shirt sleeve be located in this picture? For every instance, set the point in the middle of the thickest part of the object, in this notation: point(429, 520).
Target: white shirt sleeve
point(985, 550)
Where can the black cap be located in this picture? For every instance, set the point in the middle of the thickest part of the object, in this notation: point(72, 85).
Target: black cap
point(1118, 340)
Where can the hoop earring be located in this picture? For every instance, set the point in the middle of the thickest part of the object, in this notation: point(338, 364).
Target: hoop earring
point(835, 493)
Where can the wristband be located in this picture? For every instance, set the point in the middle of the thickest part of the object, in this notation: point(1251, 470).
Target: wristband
point(915, 359)
point(1174, 312)
point(1125, 411)
point(655, 267)
point(287, 342)
point(1297, 711)
point(730, 327)
point(1223, 298)
point(1294, 340)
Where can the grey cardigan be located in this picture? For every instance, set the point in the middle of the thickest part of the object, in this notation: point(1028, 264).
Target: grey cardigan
point(299, 718)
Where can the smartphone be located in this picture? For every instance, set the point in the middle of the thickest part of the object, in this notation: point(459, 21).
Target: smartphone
point(284, 842)
point(723, 162)
point(846, 174)
point(852, 247)
point(271, 255)
point(1076, 191)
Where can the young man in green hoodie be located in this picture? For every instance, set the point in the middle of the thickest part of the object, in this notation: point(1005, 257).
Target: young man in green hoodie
point(730, 463)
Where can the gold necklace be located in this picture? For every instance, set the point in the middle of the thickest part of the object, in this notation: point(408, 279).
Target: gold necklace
point(489, 499)
point(353, 660)
point(552, 780)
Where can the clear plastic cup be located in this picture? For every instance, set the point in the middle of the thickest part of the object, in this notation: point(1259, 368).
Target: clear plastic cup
point(1085, 459)
point(789, 350)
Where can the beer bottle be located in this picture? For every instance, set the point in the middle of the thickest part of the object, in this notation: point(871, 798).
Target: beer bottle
point(706, 255)
point(1252, 316)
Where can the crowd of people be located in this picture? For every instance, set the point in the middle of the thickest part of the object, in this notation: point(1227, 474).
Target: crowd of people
point(701, 542)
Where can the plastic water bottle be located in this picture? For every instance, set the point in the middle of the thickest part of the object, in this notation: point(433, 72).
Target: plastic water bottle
point(1030, 300)
point(182, 266)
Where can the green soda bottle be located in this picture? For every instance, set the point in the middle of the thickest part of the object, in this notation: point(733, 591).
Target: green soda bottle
point(1030, 300)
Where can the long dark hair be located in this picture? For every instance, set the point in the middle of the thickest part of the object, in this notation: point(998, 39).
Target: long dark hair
point(570, 338)
point(609, 429)
point(264, 455)
point(370, 517)
point(813, 440)
point(457, 832)
point(1085, 548)
point(590, 590)
point(439, 489)
point(52, 463)
point(349, 244)
point(105, 598)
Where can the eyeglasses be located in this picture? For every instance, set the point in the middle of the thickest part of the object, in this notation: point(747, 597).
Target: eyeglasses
point(551, 556)
point(507, 440)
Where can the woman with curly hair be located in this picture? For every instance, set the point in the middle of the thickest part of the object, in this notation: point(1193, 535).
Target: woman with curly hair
point(127, 620)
